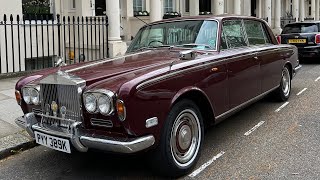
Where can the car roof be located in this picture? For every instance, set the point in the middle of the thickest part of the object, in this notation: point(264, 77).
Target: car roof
point(304, 22)
point(206, 17)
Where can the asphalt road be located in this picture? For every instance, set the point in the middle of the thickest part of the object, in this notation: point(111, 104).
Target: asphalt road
point(263, 141)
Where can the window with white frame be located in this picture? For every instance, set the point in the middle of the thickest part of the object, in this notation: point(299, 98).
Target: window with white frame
point(168, 6)
point(73, 4)
point(309, 8)
point(139, 5)
point(187, 6)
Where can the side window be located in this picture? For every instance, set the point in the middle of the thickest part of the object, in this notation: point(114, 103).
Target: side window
point(232, 34)
point(255, 32)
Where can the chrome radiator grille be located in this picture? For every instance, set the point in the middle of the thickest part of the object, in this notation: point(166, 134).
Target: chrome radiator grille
point(65, 96)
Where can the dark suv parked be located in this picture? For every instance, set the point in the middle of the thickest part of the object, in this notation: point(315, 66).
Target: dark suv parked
point(304, 35)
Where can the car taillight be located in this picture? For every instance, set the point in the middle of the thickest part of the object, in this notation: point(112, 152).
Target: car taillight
point(317, 39)
point(279, 39)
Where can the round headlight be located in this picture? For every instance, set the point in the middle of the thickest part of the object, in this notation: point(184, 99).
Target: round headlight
point(35, 96)
point(26, 95)
point(90, 102)
point(105, 104)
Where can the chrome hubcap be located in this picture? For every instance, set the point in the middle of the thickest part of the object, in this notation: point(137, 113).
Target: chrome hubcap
point(185, 138)
point(286, 82)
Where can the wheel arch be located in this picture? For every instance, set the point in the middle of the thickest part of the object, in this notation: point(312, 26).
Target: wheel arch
point(200, 99)
point(289, 65)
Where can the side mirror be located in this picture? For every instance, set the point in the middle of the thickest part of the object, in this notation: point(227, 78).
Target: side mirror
point(188, 55)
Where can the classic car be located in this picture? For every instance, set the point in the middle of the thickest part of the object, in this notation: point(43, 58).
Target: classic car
point(178, 77)
point(304, 35)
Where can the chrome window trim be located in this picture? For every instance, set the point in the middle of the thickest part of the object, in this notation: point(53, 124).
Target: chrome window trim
point(179, 20)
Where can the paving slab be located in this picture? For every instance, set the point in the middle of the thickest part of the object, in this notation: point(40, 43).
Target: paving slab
point(12, 137)
point(7, 84)
point(9, 111)
point(7, 129)
point(3, 97)
point(15, 143)
point(9, 93)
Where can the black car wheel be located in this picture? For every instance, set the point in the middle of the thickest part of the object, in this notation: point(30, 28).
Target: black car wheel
point(181, 140)
point(284, 90)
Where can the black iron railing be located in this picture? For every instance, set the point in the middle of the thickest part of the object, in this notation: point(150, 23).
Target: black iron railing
point(309, 19)
point(31, 44)
point(286, 20)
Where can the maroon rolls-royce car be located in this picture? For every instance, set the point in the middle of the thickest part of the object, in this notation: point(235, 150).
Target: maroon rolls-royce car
point(177, 77)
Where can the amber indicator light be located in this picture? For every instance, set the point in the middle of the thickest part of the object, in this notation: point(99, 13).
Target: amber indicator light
point(121, 110)
point(18, 97)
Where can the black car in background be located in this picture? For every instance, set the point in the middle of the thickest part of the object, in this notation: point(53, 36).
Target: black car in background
point(304, 35)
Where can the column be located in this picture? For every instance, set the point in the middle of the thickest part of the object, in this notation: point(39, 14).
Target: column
point(194, 7)
point(302, 10)
point(277, 18)
point(113, 13)
point(295, 9)
point(237, 7)
point(155, 10)
point(116, 46)
point(259, 8)
point(217, 6)
point(230, 6)
point(317, 10)
point(313, 9)
point(127, 13)
point(267, 11)
point(246, 8)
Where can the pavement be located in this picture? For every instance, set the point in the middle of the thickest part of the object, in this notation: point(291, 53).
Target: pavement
point(13, 139)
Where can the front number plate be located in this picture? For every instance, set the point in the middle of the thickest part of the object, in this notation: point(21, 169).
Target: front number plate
point(52, 142)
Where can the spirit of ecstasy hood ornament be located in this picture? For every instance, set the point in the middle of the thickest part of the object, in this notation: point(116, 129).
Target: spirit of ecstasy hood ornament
point(59, 62)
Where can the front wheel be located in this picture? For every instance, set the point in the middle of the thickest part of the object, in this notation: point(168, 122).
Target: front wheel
point(181, 139)
point(284, 90)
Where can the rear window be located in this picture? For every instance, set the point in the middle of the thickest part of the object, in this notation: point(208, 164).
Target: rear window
point(300, 28)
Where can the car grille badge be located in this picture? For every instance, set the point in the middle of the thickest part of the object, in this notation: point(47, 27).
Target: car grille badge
point(54, 108)
point(47, 109)
point(63, 112)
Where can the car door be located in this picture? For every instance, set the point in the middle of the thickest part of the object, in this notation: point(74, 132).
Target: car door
point(243, 67)
point(267, 54)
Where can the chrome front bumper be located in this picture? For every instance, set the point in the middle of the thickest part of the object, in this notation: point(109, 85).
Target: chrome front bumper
point(84, 141)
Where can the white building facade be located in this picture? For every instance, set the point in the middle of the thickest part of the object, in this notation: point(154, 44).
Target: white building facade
point(130, 15)
point(125, 17)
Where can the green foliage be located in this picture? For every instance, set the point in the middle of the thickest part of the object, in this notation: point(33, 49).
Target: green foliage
point(36, 6)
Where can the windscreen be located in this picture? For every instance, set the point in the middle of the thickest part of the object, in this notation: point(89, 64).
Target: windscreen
point(300, 28)
point(196, 34)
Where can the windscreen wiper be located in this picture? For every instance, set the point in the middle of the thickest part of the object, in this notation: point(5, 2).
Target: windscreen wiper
point(194, 45)
point(153, 47)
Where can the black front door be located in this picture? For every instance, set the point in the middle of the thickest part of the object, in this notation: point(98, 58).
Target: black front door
point(205, 6)
point(254, 7)
point(100, 7)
